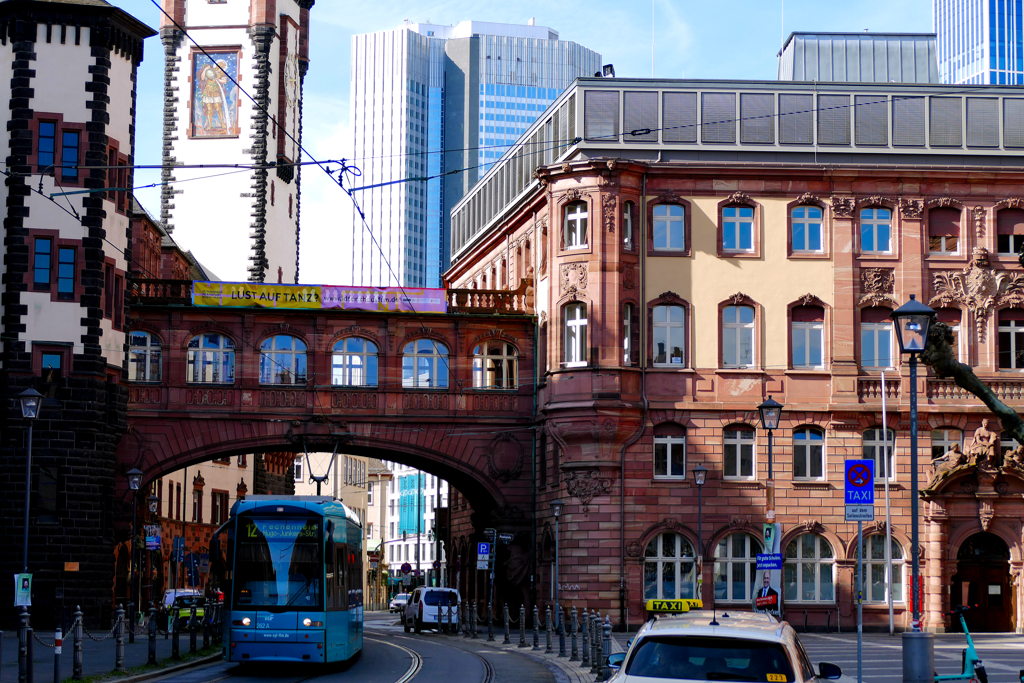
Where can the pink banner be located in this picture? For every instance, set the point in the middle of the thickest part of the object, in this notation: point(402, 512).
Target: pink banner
point(384, 299)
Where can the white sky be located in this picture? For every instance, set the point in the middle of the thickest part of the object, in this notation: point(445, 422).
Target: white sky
point(726, 39)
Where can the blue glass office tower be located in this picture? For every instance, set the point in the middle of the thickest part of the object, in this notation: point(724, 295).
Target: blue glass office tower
point(980, 41)
point(439, 102)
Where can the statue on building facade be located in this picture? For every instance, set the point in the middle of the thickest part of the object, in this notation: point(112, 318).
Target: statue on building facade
point(984, 445)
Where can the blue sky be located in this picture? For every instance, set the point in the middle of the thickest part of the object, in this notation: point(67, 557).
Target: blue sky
point(727, 39)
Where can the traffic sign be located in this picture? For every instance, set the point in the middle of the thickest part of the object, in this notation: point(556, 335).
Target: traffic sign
point(859, 482)
point(437, 564)
point(860, 513)
point(483, 549)
point(406, 567)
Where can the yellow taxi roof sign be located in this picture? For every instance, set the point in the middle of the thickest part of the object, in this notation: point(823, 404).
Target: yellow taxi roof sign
point(673, 606)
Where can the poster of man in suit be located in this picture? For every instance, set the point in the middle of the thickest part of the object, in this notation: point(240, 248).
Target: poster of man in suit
point(767, 594)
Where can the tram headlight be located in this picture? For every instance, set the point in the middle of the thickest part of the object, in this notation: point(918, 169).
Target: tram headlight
point(307, 622)
point(246, 621)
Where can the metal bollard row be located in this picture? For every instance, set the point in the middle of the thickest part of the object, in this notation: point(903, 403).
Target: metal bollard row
point(152, 634)
point(595, 643)
point(585, 628)
point(175, 635)
point(76, 661)
point(605, 671)
point(547, 627)
point(507, 634)
point(560, 625)
point(522, 625)
point(119, 639)
point(575, 655)
point(192, 630)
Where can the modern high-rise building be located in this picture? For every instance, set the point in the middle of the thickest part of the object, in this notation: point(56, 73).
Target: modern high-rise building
point(429, 100)
point(980, 41)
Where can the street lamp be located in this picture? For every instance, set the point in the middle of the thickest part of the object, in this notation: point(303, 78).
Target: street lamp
point(134, 482)
point(700, 475)
point(556, 511)
point(912, 322)
point(771, 411)
point(30, 402)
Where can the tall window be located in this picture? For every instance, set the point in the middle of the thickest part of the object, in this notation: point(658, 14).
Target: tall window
point(874, 446)
point(735, 567)
point(944, 231)
point(808, 453)
point(1011, 339)
point(808, 334)
point(630, 335)
point(669, 568)
point(738, 228)
point(69, 155)
point(495, 366)
point(42, 267)
point(669, 451)
point(944, 439)
point(738, 336)
point(874, 576)
point(576, 225)
point(282, 360)
point(66, 273)
point(669, 233)
point(425, 364)
point(354, 363)
point(669, 335)
point(808, 572)
point(47, 145)
point(806, 225)
point(876, 338)
point(219, 507)
point(875, 230)
point(627, 225)
point(143, 357)
point(739, 452)
point(576, 334)
point(1009, 231)
point(211, 358)
point(951, 317)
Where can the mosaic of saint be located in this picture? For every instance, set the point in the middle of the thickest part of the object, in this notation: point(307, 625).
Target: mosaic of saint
point(214, 95)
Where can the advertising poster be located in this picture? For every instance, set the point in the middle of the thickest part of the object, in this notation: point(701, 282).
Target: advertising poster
point(257, 295)
point(768, 579)
point(385, 299)
point(22, 590)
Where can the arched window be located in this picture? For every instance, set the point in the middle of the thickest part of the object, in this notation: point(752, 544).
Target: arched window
point(808, 453)
point(874, 444)
point(576, 225)
point(282, 360)
point(627, 225)
point(669, 227)
point(944, 439)
point(495, 366)
point(354, 363)
point(143, 357)
point(808, 572)
point(738, 336)
point(739, 452)
point(211, 358)
point(875, 579)
point(669, 336)
point(669, 568)
point(575, 334)
point(876, 230)
point(806, 225)
point(425, 364)
point(735, 567)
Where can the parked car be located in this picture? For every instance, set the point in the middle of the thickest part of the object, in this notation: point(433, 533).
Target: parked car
point(179, 597)
point(398, 603)
point(705, 646)
point(432, 608)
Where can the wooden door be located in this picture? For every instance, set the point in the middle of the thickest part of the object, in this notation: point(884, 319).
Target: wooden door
point(987, 585)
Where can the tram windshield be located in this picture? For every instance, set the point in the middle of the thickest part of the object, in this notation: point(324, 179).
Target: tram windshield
point(278, 564)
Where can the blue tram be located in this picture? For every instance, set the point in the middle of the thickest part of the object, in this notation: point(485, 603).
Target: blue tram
point(292, 574)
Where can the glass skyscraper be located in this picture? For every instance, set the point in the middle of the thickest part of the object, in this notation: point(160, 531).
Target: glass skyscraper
point(980, 41)
point(441, 103)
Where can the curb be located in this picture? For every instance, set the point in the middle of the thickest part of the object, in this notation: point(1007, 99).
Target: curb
point(165, 671)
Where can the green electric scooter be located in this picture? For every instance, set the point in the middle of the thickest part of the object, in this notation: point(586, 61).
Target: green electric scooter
point(973, 668)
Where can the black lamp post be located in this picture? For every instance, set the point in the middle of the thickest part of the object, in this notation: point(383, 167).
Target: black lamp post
point(771, 411)
point(700, 475)
point(31, 400)
point(912, 321)
point(556, 511)
point(153, 502)
point(134, 482)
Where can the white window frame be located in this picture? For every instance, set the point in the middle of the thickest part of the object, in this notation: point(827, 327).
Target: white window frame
point(671, 444)
point(352, 368)
point(871, 446)
point(738, 438)
point(206, 365)
point(874, 562)
point(724, 566)
point(495, 366)
point(283, 364)
point(944, 250)
point(369, 493)
point(680, 564)
point(809, 223)
point(1013, 328)
point(144, 356)
point(576, 225)
point(740, 332)
point(627, 224)
point(664, 331)
point(731, 229)
point(802, 449)
point(806, 330)
point(1013, 240)
point(416, 359)
point(297, 471)
point(627, 333)
point(797, 563)
point(671, 226)
point(945, 440)
point(575, 335)
point(871, 223)
point(876, 332)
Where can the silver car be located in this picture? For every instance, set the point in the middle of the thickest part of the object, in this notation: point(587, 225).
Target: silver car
point(398, 603)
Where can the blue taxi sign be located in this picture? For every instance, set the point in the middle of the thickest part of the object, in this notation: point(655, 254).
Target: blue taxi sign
point(859, 482)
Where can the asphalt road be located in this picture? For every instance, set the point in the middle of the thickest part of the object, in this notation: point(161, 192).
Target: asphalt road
point(390, 656)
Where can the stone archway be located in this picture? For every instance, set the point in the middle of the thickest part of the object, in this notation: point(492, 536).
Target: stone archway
point(982, 580)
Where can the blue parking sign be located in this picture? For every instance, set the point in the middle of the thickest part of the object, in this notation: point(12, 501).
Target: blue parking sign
point(859, 482)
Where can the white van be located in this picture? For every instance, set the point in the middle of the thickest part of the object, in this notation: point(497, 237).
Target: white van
point(430, 608)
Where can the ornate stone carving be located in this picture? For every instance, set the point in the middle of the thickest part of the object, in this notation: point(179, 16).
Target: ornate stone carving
point(633, 549)
point(741, 523)
point(573, 278)
point(978, 215)
point(493, 334)
point(842, 207)
point(812, 526)
point(809, 198)
point(739, 298)
point(542, 175)
point(611, 164)
point(628, 277)
point(504, 458)
point(986, 512)
point(944, 202)
point(585, 485)
point(574, 194)
point(668, 198)
point(1011, 203)
point(566, 167)
point(978, 288)
point(875, 200)
point(810, 300)
point(670, 297)
point(911, 208)
point(740, 198)
point(875, 286)
point(608, 203)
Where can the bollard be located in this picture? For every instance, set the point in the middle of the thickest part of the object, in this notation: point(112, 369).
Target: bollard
point(119, 639)
point(561, 633)
point(918, 656)
point(465, 619)
point(522, 625)
point(23, 645)
point(172, 623)
point(547, 627)
point(606, 671)
point(207, 615)
point(585, 662)
point(599, 657)
point(472, 622)
point(574, 655)
point(30, 670)
point(192, 629)
point(58, 642)
point(536, 627)
point(490, 618)
point(131, 622)
point(507, 634)
point(76, 652)
point(152, 635)
point(592, 625)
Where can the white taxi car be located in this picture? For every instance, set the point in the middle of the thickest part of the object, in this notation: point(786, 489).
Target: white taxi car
point(718, 645)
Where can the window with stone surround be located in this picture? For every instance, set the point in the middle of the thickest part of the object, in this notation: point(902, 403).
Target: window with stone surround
point(495, 366)
point(944, 231)
point(354, 363)
point(875, 580)
point(738, 451)
point(669, 323)
point(808, 572)
point(628, 209)
point(575, 324)
point(944, 439)
point(1011, 339)
point(738, 337)
point(952, 318)
point(282, 360)
point(669, 451)
point(669, 568)
point(735, 567)
point(630, 335)
point(806, 229)
point(876, 230)
point(807, 337)
point(1009, 231)
point(876, 350)
point(808, 453)
point(144, 361)
point(211, 359)
point(669, 227)
point(425, 365)
point(738, 229)
point(575, 232)
point(873, 445)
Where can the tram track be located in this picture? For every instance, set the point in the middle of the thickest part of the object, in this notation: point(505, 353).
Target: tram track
point(414, 669)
